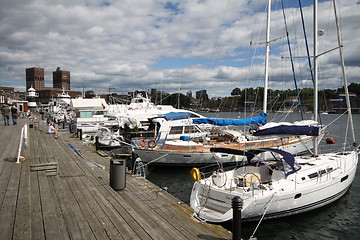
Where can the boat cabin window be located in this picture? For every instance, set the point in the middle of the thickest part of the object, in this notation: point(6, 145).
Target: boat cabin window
point(99, 112)
point(85, 114)
point(89, 114)
point(176, 130)
point(190, 129)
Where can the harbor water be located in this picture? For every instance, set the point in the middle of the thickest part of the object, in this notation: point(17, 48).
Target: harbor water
point(339, 220)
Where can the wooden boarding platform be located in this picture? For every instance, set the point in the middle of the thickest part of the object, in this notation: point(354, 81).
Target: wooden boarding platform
point(57, 194)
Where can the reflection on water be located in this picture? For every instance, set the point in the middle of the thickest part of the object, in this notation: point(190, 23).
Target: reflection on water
point(339, 220)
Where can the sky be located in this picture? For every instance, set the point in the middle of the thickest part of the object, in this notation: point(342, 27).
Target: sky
point(174, 45)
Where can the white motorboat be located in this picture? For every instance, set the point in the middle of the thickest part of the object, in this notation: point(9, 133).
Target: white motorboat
point(89, 113)
point(59, 108)
point(139, 111)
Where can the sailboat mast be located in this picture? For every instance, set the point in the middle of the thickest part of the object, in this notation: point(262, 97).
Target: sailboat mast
point(315, 69)
point(348, 104)
point(267, 50)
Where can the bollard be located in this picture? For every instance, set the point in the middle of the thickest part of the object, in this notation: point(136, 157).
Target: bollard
point(97, 143)
point(63, 125)
point(70, 128)
point(80, 134)
point(237, 204)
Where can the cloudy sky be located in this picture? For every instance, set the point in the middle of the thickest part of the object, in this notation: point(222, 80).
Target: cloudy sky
point(170, 45)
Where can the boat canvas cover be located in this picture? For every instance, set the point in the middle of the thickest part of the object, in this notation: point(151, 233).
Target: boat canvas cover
point(177, 115)
point(232, 122)
point(289, 163)
point(290, 130)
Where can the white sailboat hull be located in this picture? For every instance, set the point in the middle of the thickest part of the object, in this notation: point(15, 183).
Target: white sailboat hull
point(296, 194)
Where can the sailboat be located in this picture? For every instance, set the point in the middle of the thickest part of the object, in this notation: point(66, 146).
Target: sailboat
point(281, 187)
point(296, 138)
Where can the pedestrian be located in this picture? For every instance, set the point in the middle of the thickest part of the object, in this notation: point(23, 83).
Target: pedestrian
point(53, 130)
point(5, 111)
point(14, 114)
point(31, 116)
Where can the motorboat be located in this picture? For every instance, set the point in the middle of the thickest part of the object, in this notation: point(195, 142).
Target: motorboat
point(59, 108)
point(89, 114)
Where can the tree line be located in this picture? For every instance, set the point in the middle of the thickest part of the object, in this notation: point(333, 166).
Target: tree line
point(240, 99)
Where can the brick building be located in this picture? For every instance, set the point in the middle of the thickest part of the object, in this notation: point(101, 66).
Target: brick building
point(61, 79)
point(35, 78)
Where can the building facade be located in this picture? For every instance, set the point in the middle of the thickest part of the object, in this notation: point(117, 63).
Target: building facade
point(201, 95)
point(61, 79)
point(35, 78)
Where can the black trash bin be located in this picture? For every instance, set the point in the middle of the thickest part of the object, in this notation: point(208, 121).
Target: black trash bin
point(117, 174)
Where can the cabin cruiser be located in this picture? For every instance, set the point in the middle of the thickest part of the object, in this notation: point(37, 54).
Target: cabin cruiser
point(59, 108)
point(89, 113)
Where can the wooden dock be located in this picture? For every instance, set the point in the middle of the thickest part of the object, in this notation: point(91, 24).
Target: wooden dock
point(56, 194)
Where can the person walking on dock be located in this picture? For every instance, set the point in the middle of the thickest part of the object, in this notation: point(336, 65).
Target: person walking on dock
point(14, 114)
point(5, 111)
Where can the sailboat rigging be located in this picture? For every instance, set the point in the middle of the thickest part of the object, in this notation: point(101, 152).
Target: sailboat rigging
point(284, 186)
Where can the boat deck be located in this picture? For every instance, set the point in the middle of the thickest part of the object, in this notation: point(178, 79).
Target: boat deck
point(56, 194)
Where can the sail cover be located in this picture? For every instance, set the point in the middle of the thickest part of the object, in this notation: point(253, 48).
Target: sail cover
point(287, 129)
point(232, 122)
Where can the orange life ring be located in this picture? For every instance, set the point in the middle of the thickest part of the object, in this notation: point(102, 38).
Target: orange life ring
point(151, 144)
point(142, 142)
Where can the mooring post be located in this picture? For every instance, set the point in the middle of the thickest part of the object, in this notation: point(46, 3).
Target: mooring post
point(237, 204)
point(97, 143)
point(80, 134)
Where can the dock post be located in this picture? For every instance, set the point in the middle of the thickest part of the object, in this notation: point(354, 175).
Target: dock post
point(237, 204)
point(77, 132)
point(80, 134)
point(97, 143)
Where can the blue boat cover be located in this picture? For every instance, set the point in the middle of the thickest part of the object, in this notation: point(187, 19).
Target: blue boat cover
point(232, 122)
point(290, 165)
point(289, 129)
point(177, 115)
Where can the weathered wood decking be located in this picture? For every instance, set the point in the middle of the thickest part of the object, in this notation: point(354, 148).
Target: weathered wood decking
point(78, 203)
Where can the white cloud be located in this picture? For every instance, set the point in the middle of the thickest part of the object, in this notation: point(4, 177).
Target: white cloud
point(116, 43)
